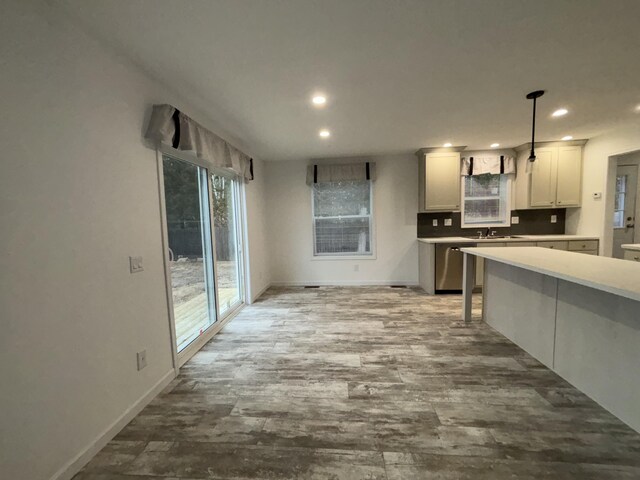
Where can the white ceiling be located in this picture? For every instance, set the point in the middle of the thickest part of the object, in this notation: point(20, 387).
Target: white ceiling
point(399, 75)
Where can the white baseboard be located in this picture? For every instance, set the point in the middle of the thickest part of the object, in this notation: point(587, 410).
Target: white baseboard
point(80, 460)
point(345, 284)
point(259, 294)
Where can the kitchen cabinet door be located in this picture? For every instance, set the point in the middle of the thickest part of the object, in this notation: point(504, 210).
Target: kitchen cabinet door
point(543, 178)
point(633, 255)
point(558, 245)
point(442, 181)
point(569, 173)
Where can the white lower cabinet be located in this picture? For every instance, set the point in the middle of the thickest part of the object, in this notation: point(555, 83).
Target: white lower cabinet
point(583, 245)
point(554, 245)
point(633, 255)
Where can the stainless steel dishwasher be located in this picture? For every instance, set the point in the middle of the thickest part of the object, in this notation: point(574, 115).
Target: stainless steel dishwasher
point(449, 267)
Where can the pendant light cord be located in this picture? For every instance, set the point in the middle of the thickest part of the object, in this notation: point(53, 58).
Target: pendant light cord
point(532, 155)
point(534, 96)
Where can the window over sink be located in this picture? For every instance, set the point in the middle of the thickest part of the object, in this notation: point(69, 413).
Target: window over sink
point(485, 201)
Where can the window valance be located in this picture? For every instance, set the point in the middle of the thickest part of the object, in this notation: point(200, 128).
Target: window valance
point(169, 126)
point(492, 164)
point(341, 172)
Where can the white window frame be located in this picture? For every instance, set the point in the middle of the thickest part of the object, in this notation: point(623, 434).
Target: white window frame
point(180, 358)
point(508, 205)
point(346, 256)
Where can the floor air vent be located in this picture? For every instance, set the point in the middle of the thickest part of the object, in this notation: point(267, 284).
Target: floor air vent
point(398, 286)
point(312, 286)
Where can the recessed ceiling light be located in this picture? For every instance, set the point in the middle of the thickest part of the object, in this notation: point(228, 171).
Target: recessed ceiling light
point(495, 145)
point(324, 133)
point(319, 100)
point(560, 112)
point(567, 137)
point(447, 145)
point(638, 108)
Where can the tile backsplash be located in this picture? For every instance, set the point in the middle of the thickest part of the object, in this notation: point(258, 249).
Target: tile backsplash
point(532, 222)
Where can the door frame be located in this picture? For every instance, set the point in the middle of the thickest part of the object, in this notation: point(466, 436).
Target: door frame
point(240, 243)
point(180, 358)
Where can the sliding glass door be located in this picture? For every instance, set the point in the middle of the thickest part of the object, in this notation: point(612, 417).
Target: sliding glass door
point(203, 219)
point(190, 246)
point(226, 214)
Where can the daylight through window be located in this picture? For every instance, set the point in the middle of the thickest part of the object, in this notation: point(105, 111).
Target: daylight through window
point(342, 218)
point(486, 201)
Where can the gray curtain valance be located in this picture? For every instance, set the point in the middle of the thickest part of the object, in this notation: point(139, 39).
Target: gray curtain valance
point(493, 164)
point(323, 173)
point(170, 126)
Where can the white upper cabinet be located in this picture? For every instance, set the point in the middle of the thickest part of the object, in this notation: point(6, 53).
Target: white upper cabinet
point(542, 178)
point(569, 176)
point(555, 180)
point(439, 179)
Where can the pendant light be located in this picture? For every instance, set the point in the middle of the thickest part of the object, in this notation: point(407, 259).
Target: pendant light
point(532, 155)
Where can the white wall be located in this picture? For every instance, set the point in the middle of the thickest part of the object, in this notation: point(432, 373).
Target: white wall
point(395, 212)
point(78, 195)
point(256, 214)
point(596, 215)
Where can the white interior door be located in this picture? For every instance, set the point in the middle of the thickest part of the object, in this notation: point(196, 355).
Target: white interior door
point(624, 213)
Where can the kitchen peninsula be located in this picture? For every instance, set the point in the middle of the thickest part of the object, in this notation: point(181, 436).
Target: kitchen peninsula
point(577, 314)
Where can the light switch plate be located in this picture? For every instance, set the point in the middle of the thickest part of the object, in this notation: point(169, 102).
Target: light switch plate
point(434, 222)
point(447, 222)
point(142, 359)
point(554, 219)
point(135, 264)
point(515, 220)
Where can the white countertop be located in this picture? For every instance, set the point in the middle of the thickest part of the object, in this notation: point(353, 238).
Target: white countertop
point(516, 238)
point(613, 275)
point(631, 246)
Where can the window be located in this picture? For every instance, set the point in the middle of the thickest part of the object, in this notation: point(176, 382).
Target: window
point(203, 215)
point(621, 192)
point(486, 201)
point(227, 236)
point(190, 245)
point(342, 218)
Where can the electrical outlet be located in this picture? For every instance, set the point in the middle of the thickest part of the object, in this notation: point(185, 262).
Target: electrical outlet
point(142, 359)
point(597, 195)
point(434, 222)
point(447, 222)
point(554, 219)
point(356, 268)
point(135, 264)
point(515, 220)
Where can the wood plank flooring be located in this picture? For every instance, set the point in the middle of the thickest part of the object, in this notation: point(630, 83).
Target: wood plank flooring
point(367, 383)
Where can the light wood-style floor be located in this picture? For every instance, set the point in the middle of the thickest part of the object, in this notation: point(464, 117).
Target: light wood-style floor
point(367, 383)
point(192, 316)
